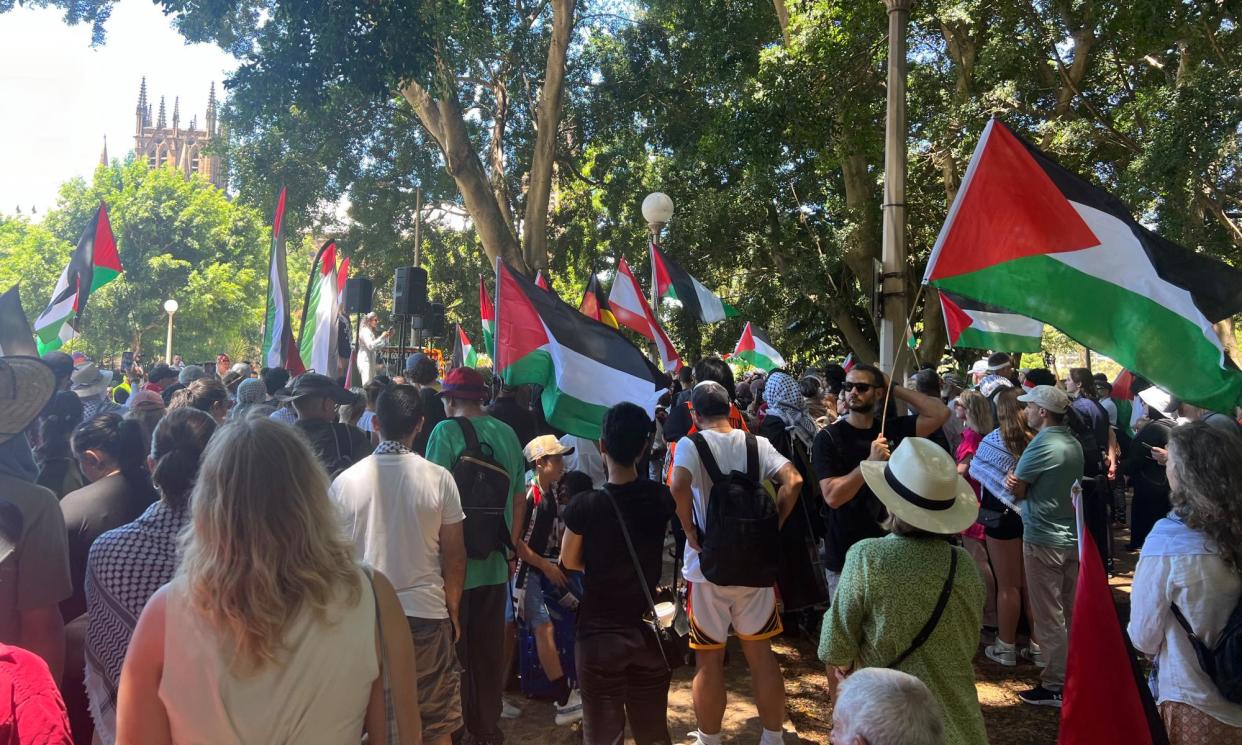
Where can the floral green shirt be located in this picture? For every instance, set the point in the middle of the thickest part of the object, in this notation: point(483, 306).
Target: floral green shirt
point(889, 588)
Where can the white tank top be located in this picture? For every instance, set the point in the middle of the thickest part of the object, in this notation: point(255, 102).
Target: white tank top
point(318, 696)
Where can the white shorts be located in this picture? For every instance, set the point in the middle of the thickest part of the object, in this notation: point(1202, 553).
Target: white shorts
point(750, 611)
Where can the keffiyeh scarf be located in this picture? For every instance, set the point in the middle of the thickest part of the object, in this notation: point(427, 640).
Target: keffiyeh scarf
point(784, 398)
point(125, 568)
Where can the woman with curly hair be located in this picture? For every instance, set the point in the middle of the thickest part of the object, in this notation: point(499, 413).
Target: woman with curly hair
point(1188, 581)
point(270, 631)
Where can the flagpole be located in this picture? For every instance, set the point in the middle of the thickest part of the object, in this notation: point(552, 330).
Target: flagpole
point(893, 280)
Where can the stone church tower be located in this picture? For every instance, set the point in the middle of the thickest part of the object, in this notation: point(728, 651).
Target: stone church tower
point(174, 146)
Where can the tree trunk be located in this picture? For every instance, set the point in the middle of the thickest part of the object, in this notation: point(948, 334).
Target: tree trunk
point(442, 119)
point(782, 17)
point(1224, 331)
point(547, 121)
point(496, 156)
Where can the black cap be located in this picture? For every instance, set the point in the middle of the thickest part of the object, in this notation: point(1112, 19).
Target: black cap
point(161, 372)
point(710, 399)
point(316, 385)
point(61, 364)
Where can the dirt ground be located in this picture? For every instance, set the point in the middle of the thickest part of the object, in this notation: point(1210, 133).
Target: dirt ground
point(1009, 722)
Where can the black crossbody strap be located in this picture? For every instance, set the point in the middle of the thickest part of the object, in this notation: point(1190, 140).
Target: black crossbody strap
point(638, 570)
point(467, 431)
point(930, 626)
point(706, 458)
point(752, 457)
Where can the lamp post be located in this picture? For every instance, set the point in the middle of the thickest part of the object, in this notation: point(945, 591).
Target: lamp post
point(170, 307)
point(657, 211)
point(893, 250)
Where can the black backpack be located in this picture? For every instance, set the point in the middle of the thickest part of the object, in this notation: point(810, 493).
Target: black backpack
point(343, 456)
point(740, 544)
point(1222, 663)
point(485, 490)
point(1092, 448)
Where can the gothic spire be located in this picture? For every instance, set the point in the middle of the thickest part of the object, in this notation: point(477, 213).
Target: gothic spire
point(161, 121)
point(103, 157)
point(142, 96)
point(211, 110)
point(176, 121)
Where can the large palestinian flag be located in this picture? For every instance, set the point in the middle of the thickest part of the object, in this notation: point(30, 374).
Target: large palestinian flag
point(975, 325)
point(595, 303)
point(463, 351)
point(488, 315)
point(317, 341)
point(670, 280)
point(279, 349)
point(584, 366)
point(93, 264)
point(1026, 235)
point(755, 348)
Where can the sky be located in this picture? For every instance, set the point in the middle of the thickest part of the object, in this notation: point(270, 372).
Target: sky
point(60, 97)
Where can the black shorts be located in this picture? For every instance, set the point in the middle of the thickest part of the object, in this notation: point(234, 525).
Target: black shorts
point(1010, 527)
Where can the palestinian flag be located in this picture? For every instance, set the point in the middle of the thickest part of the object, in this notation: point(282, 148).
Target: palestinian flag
point(584, 366)
point(342, 276)
point(279, 349)
point(463, 351)
point(595, 304)
point(488, 313)
point(670, 280)
point(93, 264)
point(755, 348)
point(631, 310)
point(1026, 235)
point(317, 342)
point(976, 325)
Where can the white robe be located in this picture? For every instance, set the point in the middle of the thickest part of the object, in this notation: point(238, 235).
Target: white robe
point(368, 343)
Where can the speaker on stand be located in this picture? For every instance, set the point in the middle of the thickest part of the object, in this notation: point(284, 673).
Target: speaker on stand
point(359, 294)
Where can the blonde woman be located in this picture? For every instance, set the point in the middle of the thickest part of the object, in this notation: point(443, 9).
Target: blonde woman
point(975, 413)
point(268, 633)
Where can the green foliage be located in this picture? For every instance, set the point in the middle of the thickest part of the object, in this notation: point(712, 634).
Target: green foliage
point(177, 238)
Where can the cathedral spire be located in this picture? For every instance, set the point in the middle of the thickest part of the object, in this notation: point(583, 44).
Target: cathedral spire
point(103, 157)
point(161, 121)
point(211, 110)
point(142, 112)
point(176, 112)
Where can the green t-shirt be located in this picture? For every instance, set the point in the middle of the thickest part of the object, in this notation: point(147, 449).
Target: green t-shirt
point(443, 448)
point(1050, 465)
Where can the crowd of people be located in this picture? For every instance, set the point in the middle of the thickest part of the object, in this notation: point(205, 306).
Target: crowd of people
point(218, 553)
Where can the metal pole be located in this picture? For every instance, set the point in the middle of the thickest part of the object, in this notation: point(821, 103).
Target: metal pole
point(893, 324)
point(418, 223)
point(168, 343)
point(654, 228)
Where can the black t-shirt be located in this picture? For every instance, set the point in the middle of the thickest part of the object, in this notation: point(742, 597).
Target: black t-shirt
point(1092, 416)
point(521, 419)
point(837, 450)
point(327, 443)
point(612, 597)
point(433, 414)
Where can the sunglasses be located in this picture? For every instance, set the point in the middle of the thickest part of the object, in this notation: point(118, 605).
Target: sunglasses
point(860, 387)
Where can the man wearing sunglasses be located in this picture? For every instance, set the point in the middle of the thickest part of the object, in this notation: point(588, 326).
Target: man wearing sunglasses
point(854, 512)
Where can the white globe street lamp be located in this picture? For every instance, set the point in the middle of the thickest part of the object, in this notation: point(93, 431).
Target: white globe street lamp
point(170, 307)
point(657, 211)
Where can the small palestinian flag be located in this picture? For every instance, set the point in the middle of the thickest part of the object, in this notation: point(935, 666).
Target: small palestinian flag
point(279, 348)
point(670, 280)
point(317, 340)
point(463, 351)
point(595, 304)
point(93, 264)
point(584, 366)
point(755, 348)
point(1027, 235)
point(976, 325)
point(488, 314)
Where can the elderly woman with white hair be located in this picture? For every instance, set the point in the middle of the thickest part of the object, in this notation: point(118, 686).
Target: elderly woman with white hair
point(912, 600)
point(878, 706)
point(369, 342)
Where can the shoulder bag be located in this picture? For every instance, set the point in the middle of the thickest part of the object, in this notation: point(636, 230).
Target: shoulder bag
point(672, 647)
point(930, 626)
point(390, 712)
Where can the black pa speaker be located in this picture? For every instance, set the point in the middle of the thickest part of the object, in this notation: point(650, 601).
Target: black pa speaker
point(358, 293)
point(434, 322)
point(409, 291)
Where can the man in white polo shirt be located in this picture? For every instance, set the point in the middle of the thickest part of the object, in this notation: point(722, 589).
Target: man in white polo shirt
point(404, 517)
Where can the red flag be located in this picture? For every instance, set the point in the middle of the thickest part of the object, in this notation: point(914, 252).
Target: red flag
point(541, 281)
point(1123, 386)
point(1106, 700)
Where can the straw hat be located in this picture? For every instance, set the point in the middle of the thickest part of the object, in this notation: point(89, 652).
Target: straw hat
point(919, 484)
point(89, 381)
point(26, 385)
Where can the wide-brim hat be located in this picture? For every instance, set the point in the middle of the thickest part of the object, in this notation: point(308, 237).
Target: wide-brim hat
point(543, 446)
point(1158, 399)
point(26, 385)
point(920, 485)
point(89, 381)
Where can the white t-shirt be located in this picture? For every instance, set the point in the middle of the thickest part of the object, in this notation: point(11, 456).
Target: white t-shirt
point(586, 458)
point(392, 507)
point(729, 449)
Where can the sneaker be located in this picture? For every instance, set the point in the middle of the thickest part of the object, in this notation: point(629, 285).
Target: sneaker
point(1002, 653)
point(1033, 654)
point(509, 710)
point(1040, 696)
point(572, 710)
